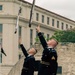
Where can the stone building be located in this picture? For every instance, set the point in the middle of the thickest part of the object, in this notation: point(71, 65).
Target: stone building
point(49, 21)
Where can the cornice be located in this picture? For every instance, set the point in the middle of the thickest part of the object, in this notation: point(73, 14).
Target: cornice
point(27, 20)
point(45, 26)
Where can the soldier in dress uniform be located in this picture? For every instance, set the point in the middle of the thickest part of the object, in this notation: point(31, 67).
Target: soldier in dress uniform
point(29, 61)
point(48, 63)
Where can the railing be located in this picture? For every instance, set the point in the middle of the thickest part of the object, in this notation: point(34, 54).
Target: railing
point(16, 70)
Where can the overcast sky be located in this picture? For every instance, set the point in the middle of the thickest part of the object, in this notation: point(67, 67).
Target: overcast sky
point(62, 7)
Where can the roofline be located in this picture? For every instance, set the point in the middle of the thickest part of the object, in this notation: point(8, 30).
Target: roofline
point(48, 11)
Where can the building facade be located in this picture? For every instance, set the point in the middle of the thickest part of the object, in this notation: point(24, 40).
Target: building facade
point(49, 21)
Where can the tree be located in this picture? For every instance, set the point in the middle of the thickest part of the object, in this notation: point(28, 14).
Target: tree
point(38, 41)
point(65, 36)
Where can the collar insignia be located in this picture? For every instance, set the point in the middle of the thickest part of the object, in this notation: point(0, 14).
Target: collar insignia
point(53, 58)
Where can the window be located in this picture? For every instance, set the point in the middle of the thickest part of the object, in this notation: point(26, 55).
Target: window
point(52, 22)
point(36, 33)
point(20, 56)
point(66, 26)
point(59, 70)
point(57, 24)
point(62, 26)
point(20, 31)
point(47, 37)
point(43, 33)
point(0, 57)
point(1, 29)
point(48, 20)
point(0, 7)
point(42, 18)
point(70, 27)
point(31, 37)
point(37, 16)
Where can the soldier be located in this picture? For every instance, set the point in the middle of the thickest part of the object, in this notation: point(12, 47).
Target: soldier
point(29, 61)
point(48, 63)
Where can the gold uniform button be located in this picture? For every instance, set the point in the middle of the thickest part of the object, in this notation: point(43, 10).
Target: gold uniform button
point(46, 66)
point(53, 58)
point(45, 55)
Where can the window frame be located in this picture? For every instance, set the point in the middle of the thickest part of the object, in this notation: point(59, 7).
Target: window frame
point(1, 31)
point(62, 26)
point(31, 37)
point(1, 7)
point(48, 20)
point(53, 22)
point(43, 18)
point(37, 16)
point(48, 36)
point(57, 24)
point(0, 57)
point(20, 31)
point(66, 26)
point(70, 27)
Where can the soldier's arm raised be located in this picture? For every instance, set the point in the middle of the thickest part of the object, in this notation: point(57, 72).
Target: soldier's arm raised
point(41, 37)
point(23, 48)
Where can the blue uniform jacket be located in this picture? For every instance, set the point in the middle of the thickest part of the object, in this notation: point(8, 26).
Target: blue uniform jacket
point(29, 62)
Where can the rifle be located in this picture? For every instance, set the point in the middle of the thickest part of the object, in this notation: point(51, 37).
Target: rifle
point(17, 22)
point(31, 13)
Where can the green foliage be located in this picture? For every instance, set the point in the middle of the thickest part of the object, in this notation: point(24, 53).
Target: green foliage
point(65, 36)
point(38, 41)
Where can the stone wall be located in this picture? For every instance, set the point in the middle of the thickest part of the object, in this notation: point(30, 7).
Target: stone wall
point(66, 58)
